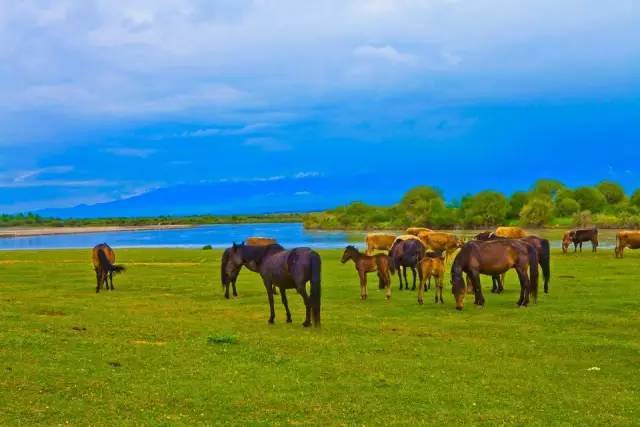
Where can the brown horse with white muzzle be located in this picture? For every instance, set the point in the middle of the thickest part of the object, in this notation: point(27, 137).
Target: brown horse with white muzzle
point(492, 258)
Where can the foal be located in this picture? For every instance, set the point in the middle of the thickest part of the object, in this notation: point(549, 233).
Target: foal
point(432, 265)
point(368, 264)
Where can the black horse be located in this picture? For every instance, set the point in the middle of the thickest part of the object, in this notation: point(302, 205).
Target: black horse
point(286, 269)
point(403, 254)
point(543, 251)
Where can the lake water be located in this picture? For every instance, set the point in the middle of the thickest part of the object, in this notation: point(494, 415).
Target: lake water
point(222, 235)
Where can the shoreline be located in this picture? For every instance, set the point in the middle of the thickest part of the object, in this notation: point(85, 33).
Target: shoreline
point(11, 232)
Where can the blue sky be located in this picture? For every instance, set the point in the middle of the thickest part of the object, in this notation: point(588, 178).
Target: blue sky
point(103, 100)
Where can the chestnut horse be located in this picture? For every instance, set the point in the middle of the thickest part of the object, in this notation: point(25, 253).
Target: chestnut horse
point(432, 265)
point(492, 258)
point(103, 259)
point(368, 264)
point(286, 269)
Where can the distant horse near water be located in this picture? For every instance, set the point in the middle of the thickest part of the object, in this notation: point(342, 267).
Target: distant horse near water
point(103, 258)
point(286, 269)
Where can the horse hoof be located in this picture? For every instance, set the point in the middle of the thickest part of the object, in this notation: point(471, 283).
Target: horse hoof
point(306, 324)
point(459, 308)
point(271, 321)
point(226, 296)
point(289, 320)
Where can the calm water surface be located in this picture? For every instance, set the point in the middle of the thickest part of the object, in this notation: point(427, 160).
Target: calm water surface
point(222, 235)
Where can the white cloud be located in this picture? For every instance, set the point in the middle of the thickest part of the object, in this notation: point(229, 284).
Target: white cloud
point(386, 53)
point(22, 176)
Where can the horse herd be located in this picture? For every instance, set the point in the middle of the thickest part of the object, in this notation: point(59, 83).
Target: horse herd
point(421, 250)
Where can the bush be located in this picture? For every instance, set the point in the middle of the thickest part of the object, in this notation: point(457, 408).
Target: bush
point(612, 191)
point(590, 199)
point(583, 219)
point(537, 212)
point(567, 207)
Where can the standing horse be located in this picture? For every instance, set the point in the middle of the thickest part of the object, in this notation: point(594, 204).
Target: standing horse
point(493, 258)
point(286, 269)
point(578, 237)
point(403, 254)
point(230, 277)
point(368, 264)
point(432, 265)
point(103, 259)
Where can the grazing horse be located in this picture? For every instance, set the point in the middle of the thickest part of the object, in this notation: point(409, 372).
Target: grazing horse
point(368, 264)
point(406, 253)
point(439, 241)
point(432, 265)
point(493, 258)
point(510, 232)
point(627, 239)
point(578, 237)
point(417, 230)
point(379, 241)
point(286, 269)
point(103, 259)
point(230, 277)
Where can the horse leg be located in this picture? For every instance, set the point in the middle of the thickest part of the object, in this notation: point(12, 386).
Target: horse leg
point(233, 285)
point(524, 287)
point(501, 283)
point(421, 287)
point(470, 285)
point(363, 285)
point(283, 296)
point(580, 247)
point(98, 278)
point(475, 279)
point(302, 290)
point(406, 282)
point(494, 284)
point(111, 279)
point(439, 286)
point(272, 312)
point(594, 245)
point(386, 279)
point(413, 271)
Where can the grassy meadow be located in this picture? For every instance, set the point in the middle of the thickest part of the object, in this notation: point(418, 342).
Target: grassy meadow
point(166, 348)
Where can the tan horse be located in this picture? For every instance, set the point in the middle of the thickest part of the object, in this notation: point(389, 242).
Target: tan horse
point(510, 232)
point(417, 230)
point(260, 241)
point(378, 241)
point(627, 239)
point(403, 237)
point(103, 259)
point(432, 265)
point(368, 264)
point(439, 241)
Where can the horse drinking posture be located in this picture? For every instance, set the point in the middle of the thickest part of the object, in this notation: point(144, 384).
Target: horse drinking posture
point(103, 259)
point(403, 254)
point(493, 258)
point(432, 265)
point(286, 269)
point(368, 264)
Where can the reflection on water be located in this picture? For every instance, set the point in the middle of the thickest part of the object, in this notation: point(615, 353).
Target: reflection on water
point(222, 235)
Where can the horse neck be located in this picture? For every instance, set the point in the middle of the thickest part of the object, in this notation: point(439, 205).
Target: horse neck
point(257, 254)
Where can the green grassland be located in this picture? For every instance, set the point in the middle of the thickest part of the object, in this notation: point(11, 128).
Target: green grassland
point(166, 348)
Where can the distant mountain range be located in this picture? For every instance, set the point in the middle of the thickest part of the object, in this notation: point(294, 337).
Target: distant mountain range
point(277, 195)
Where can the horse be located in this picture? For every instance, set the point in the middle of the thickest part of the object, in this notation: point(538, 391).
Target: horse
point(368, 264)
point(380, 241)
point(510, 232)
point(417, 230)
point(432, 265)
point(103, 258)
point(286, 269)
point(492, 258)
point(230, 278)
point(440, 241)
point(626, 239)
point(403, 254)
point(578, 237)
point(543, 250)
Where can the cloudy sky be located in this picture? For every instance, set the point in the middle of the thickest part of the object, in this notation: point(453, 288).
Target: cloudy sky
point(102, 100)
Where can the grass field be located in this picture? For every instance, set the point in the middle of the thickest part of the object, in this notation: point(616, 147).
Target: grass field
point(167, 348)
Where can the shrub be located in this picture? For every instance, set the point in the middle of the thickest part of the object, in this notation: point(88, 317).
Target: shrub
point(567, 207)
point(537, 212)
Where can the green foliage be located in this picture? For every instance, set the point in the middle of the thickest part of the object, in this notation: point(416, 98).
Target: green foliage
point(635, 198)
point(567, 207)
point(517, 202)
point(583, 219)
point(612, 191)
point(590, 198)
point(547, 187)
point(538, 212)
point(485, 209)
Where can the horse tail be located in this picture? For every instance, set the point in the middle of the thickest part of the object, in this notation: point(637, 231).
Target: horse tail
point(106, 264)
point(533, 271)
point(315, 288)
point(545, 263)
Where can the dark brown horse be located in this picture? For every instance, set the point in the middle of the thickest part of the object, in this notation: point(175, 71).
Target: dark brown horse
point(406, 254)
point(493, 258)
point(368, 264)
point(578, 237)
point(229, 278)
point(103, 258)
point(543, 250)
point(286, 269)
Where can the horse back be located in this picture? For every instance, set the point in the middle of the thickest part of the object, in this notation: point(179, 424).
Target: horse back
point(108, 252)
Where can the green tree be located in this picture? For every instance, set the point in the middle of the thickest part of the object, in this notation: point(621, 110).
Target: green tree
point(517, 202)
point(486, 208)
point(635, 198)
point(421, 204)
point(547, 187)
point(612, 191)
point(537, 212)
point(590, 199)
point(567, 207)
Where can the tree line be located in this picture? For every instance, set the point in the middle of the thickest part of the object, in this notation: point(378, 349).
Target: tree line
point(548, 203)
